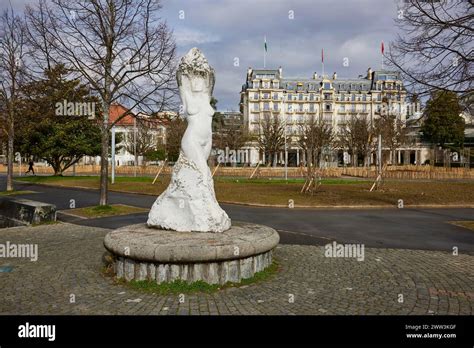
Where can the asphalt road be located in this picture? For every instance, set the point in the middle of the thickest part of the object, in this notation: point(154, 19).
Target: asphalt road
point(426, 229)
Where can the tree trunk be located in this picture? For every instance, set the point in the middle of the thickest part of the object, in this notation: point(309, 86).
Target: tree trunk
point(10, 154)
point(309, 164)
point(104, 158)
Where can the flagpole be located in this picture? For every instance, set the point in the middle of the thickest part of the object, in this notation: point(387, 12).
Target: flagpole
point(382, 49)
point(322, 62)
point(264, 51)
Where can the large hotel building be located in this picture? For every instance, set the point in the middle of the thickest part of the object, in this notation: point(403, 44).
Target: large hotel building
point(335, 100)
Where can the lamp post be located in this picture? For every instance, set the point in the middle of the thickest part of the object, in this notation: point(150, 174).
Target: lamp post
point(113, 155)
point(284, 134)
point(380, 152)
point(135, 146)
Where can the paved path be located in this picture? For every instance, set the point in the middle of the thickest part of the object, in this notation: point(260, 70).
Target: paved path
point(426, 229)
point(69, 263)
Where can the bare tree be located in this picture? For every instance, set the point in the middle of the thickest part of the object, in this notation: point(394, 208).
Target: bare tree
point(39, 38)
point(12, 54)
point(357, 137)
point(121, 48)
point(142, 139)
point(434, 49)
point(347, 138)
point(390, 126)
point(364, 138)
point(315, 135)
point(231, 135)
point(174, 132)
point(271, 137)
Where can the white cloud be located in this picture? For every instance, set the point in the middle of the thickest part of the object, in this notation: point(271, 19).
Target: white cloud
point(187, 36)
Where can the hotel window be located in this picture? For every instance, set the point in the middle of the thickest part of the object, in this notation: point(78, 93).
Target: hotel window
point(300, 96)
point(364, 97)
point(327, 107)
point(327, 85)
point(353, 97)
point(379, 97)
point(275, 96)
point(364, 107)
point(275, 84)
point(290, 107)
point(311, 96)
point(266, 96)
point(275, 106)
point(353, 107)
point(255, 96)
point(301, 107)
point(311, 107)
point(266, 106)
point(342, 108)
point(290, 96)
point(256, 85)
point(255, 106)
point(266, 84)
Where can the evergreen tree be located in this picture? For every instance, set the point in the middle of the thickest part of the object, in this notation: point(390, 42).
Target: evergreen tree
point(443, 124)
point(47, 130)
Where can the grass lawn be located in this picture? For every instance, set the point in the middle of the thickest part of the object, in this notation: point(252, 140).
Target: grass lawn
point(333, 192)
point(182, 287)
point(466, 224)
point(14, 193)
point(106, 210)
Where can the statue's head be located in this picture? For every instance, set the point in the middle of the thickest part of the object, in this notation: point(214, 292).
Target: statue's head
point(195, 70)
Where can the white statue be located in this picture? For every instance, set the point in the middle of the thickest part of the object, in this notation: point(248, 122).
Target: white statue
point(189, 203)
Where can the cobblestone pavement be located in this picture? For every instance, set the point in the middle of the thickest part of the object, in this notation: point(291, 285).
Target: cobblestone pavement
point(69, 263)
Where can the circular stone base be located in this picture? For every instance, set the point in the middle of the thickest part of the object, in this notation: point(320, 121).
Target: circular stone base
point(144, 253)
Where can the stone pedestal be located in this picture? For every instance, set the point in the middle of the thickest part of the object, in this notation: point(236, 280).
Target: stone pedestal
point(19, 211)
point(144, 253)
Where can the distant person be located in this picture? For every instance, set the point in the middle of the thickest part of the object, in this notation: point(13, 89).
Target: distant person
point(30, 168)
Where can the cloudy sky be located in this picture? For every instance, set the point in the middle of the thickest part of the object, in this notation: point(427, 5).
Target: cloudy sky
point(296, 31)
